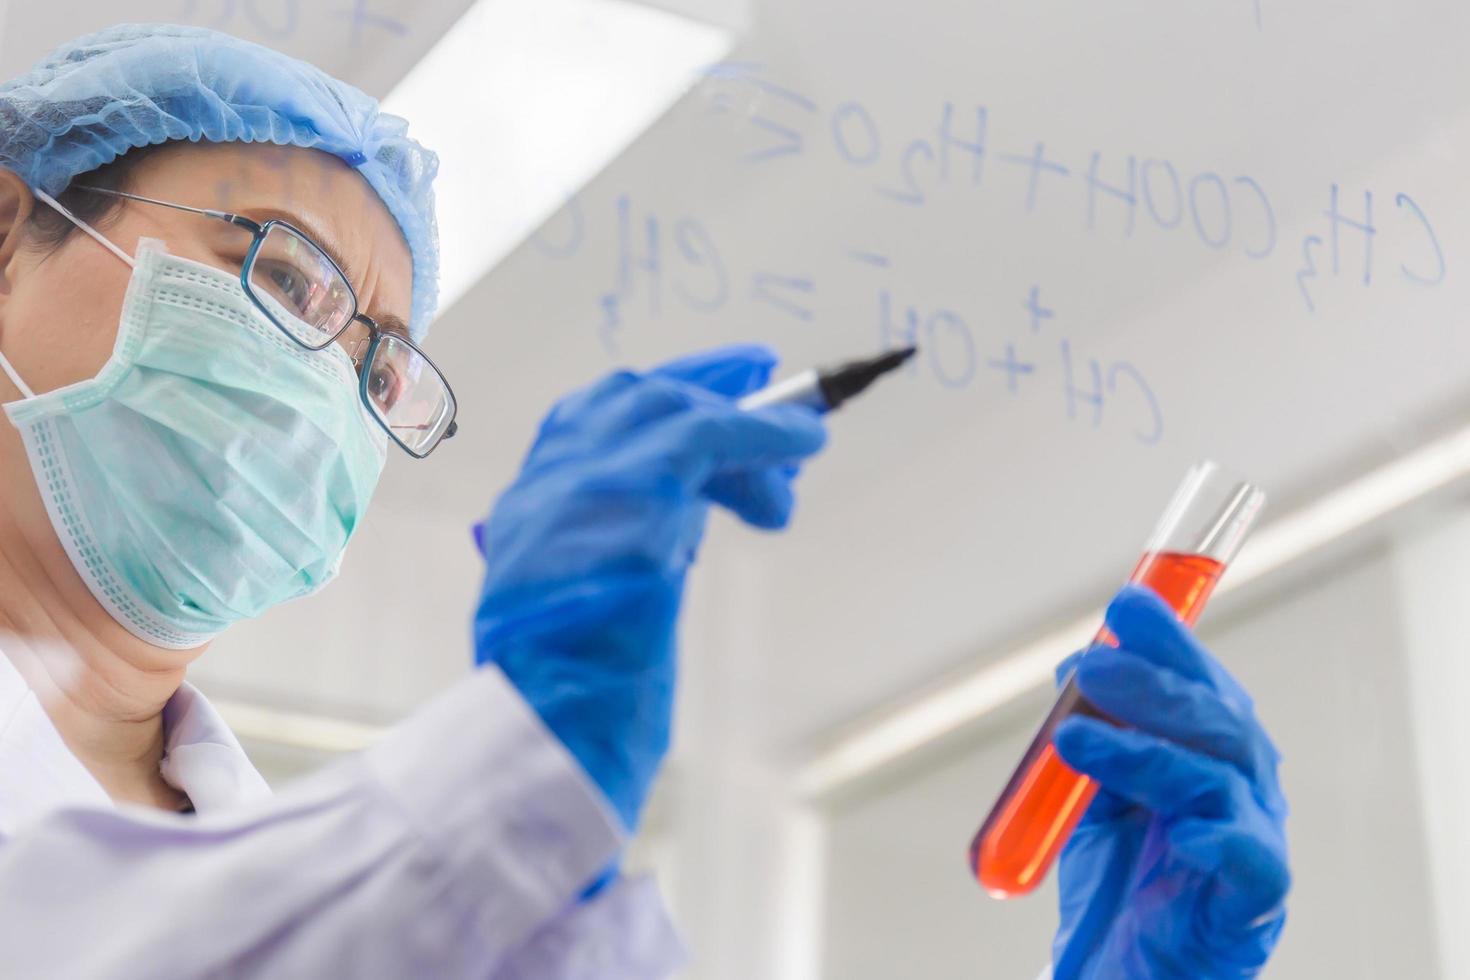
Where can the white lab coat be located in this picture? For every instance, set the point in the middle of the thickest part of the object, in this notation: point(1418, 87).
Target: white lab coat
point(456, 848)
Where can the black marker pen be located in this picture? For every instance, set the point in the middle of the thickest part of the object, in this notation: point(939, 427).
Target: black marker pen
point(826, 388)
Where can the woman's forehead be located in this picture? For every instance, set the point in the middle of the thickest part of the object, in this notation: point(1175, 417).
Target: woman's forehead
point(309, 188)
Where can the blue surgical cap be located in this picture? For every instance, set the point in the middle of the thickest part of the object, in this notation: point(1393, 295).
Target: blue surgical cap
point(95, 98)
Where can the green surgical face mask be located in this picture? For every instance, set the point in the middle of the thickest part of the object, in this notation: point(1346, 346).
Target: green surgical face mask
point(213, 469)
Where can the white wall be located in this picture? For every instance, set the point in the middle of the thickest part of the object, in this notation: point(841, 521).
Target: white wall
point(1435, 590)
point(901, 901)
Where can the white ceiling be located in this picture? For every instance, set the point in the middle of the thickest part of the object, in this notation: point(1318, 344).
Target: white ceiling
point(370, 43)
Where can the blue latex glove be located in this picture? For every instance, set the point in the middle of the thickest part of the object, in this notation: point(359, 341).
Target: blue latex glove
point(1178, 869)
point(586, 553)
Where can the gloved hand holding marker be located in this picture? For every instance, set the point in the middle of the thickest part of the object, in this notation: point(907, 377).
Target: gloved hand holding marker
point(587, 551)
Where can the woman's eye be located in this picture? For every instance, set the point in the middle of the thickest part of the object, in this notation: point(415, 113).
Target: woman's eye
point(290, 285)
point(383, 388)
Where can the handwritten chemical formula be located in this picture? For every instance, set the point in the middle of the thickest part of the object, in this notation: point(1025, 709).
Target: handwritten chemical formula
point(664, 263)
point(1110, 194)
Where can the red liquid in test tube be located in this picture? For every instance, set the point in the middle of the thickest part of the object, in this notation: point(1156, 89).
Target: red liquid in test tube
point(1198, 536)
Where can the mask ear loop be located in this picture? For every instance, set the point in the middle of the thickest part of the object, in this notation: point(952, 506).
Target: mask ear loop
point(97, 236)
point(93, 232)
point(25, 389)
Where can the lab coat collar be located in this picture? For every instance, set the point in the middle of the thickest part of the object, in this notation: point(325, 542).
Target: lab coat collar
point(201, 756)
point(38, 774)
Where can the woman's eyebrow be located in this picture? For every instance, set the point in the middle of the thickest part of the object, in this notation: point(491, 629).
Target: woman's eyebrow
point(326, 242)
point(389, 323)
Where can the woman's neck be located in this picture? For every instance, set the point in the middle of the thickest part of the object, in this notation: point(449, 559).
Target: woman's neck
point(105, 698)
point(118, 737)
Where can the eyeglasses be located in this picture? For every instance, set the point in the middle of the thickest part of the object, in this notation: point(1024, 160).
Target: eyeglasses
point(286, 272)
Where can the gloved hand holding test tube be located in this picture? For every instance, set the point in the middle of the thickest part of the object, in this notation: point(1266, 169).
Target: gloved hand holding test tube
point(1198, 536)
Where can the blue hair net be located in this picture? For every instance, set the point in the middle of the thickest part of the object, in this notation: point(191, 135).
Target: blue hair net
point(95, 98)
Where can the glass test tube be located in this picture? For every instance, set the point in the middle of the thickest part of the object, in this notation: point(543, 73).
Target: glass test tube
point(1198, 536)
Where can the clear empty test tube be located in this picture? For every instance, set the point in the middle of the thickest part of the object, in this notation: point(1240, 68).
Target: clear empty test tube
point(1198, 536)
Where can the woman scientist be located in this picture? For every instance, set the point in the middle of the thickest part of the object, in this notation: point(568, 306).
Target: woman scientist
point(204, 371)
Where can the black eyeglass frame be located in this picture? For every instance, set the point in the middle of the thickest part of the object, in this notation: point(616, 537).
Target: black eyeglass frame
point(375, 332)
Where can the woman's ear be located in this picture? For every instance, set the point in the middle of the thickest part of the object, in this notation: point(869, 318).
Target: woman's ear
point(16, 205)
